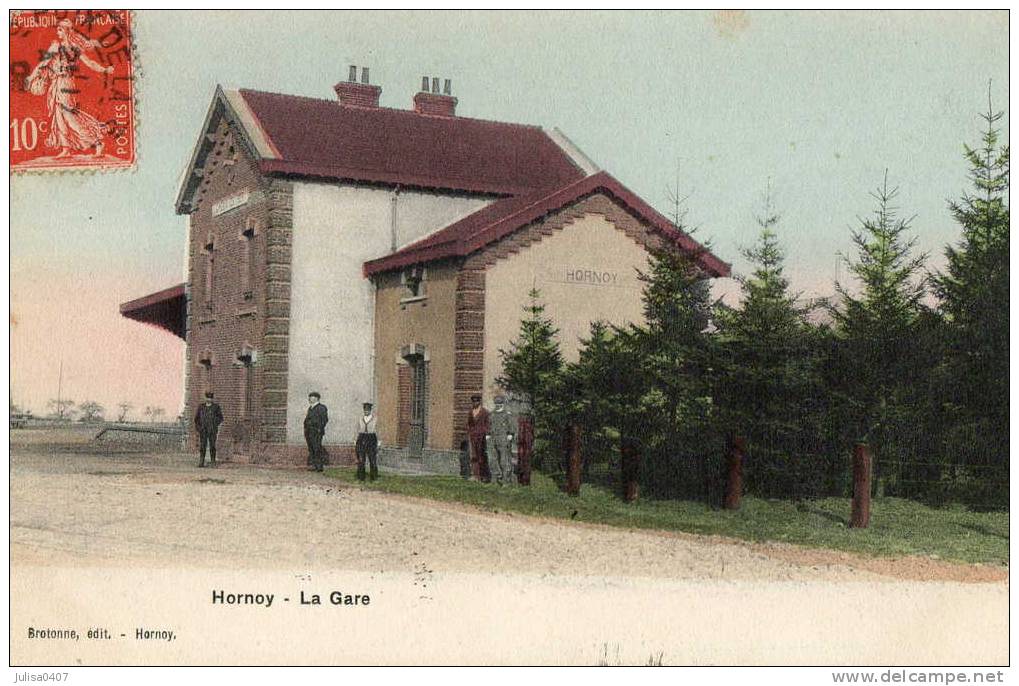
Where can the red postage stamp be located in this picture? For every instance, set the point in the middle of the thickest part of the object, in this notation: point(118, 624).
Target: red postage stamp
point(72, 90)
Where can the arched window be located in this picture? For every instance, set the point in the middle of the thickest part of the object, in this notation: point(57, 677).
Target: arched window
point(414, 397)
point(245, 361)
point(247, 266)
point(210, 266)
point(205, 362)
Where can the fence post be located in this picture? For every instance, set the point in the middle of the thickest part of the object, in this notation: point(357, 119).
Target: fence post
point(860, 518)
point(525, 445)
point(182, 424)
point(734, 482)
point(573, 459)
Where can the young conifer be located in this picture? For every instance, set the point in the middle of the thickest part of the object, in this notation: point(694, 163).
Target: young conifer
point(974, 302)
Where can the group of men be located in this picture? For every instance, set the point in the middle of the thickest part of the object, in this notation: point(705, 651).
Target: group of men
point(492, 437)
point(489, 453)
point(209, 416)
point(366, 447)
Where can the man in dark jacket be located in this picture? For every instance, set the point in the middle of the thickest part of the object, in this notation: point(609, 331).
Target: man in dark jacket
point(314, 430)
point(478, 427)
point(207, 420)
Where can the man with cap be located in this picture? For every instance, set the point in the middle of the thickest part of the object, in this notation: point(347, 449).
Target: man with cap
point(502, 428)
point(477, 430)
point(207, 420)
point(367, 445)
point(314, 431)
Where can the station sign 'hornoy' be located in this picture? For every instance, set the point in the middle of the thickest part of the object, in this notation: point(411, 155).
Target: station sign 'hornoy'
point(590, 277)
point(231, 202)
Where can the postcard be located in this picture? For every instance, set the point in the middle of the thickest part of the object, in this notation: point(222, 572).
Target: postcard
point(510, 338)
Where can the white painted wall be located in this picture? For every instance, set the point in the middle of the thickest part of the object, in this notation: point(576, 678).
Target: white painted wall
point(419, 214)
point(186, 278)
point(335, 230)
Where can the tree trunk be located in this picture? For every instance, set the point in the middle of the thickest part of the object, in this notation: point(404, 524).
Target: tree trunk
point(629, 453)
point(573, 459)
point(734, 482)
point(860, 518)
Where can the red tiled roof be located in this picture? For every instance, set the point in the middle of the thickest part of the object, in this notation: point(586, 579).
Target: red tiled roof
point(382, 145)
point(166, 309)
point(503, 217)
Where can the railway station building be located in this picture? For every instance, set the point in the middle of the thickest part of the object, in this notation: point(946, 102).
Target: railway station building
point(382, 254)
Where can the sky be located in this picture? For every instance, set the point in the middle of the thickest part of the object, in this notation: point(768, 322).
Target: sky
point(816, 104)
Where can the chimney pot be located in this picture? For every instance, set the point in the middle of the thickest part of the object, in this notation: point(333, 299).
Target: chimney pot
point(354, 94)
point(435, 104)
point(424, 84)
point(435, 85)
point(447, 88)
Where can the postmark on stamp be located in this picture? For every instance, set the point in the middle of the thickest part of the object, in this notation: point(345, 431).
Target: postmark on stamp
point(72, 90)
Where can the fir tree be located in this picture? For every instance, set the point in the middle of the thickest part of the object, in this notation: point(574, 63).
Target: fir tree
point(878, 322)
point(604, 390)
point(880, 361)
point(533, 359)
point(532, 367)
point(974, 302)
point(769, 384)
point(677, 360)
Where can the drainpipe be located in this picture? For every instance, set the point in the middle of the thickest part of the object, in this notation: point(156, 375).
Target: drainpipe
point(392, 218)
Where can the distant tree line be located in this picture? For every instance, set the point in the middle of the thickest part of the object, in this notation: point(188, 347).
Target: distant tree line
point(912, 362)
point(65, 409)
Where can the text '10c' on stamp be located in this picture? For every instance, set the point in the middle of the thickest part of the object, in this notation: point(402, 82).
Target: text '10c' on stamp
point(72, 90)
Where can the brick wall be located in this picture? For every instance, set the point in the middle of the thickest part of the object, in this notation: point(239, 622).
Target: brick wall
point(244, 306)
point(468, 346)
point(277, 313)
point(469, 340)
point(470, 295)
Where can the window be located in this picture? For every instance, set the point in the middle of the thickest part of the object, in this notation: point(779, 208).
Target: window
point(247, 258)
point(245, 361)
point(210, 267)
point(412, 398)
point(419, 393)
point(413, 280)
point(205, 363)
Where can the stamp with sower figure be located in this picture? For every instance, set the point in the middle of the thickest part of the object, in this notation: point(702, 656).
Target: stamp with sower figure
point(72, 90)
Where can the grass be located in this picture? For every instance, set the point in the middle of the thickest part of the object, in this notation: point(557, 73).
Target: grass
point(897, 527)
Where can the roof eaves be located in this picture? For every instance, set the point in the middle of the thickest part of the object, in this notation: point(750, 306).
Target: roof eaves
point(263, 144)
point(152, 299)
point(580, 160)
point(254, 138)
point(406, 258)
point(323, 171)
point(541, 206)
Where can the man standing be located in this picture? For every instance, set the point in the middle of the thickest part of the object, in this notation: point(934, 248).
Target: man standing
point(367, 445)
point(314, 430)
point(207, 420)
point(477, 429)
point(501, 442)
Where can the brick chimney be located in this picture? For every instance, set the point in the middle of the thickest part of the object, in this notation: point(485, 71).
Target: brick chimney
point(431, 101)
point(354, 94)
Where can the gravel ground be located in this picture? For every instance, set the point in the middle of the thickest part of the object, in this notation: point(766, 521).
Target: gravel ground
point(86, 503)
point(115, 535)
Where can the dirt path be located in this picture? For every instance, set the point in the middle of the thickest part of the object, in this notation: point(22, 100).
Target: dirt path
point(156, 509)
point(127, 539)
